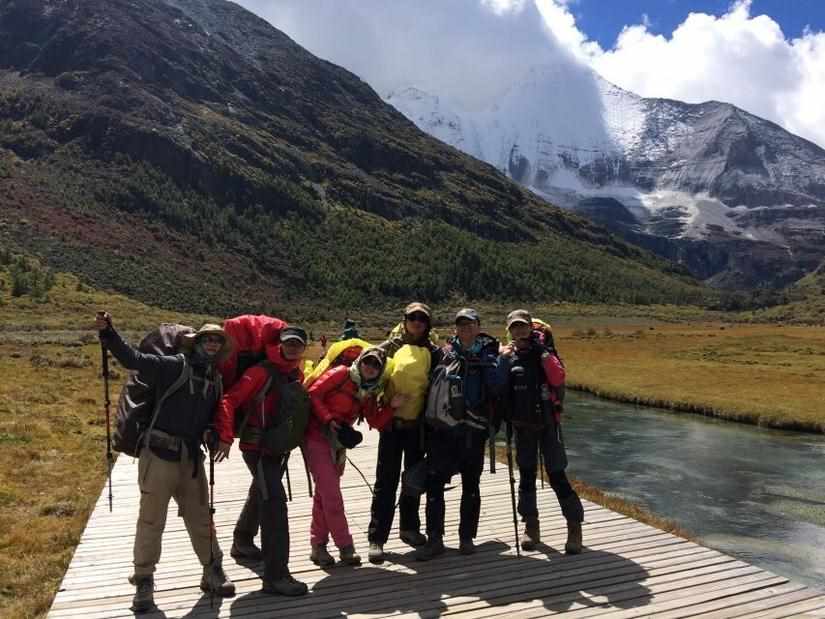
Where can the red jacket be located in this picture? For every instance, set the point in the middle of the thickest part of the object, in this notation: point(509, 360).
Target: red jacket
point(334, 397)
point(244, 392)
point(249, 333)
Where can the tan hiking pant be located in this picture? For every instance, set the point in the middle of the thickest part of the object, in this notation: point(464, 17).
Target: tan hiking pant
point(161, 480)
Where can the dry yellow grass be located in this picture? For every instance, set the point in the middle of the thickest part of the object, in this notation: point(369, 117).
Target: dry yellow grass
point(765, 374)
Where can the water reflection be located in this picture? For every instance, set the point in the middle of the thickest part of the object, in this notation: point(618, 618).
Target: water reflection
point(753, 493)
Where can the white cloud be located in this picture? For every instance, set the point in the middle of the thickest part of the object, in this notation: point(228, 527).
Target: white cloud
point(472, 50)
point(738, 57)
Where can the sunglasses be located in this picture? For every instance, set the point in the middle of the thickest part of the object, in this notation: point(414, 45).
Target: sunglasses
point(417, 317)
point(373, 363)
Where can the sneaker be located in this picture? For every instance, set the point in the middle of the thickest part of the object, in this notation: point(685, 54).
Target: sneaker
point(349, 556)
point(320, 557)
point(532, 534)
point(574, 538)
point(246, 550)
point(467, 547)
point(285, 586)
point(144, 599)
point(376, 553)
point(413, 538)
point(216, 581)
point(430, 550)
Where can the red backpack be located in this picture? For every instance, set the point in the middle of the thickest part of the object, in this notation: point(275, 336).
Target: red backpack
point(250, 335)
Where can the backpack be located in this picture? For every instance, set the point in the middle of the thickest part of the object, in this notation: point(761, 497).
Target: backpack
point(295, 408)
point(445, 400)
point(344, 352)
point(524, 404)
point(250, 335)
point(139, 402)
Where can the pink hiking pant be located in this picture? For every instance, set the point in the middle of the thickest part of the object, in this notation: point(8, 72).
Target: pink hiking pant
point(328, 517)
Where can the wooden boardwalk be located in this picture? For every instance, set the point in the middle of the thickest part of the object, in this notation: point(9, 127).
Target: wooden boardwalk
point(628, 570)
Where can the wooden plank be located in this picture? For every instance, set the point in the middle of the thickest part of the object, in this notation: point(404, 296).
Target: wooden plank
point(627, 567)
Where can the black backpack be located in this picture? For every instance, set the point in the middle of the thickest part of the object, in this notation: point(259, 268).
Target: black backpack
point(523, 403)
point(294, 408)
point(140, 402)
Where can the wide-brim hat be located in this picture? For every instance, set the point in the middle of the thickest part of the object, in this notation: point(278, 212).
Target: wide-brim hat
point(188, 339)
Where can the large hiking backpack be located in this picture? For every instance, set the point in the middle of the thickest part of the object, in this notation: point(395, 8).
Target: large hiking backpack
point(250, 335)
point(344, 352)
point(445, 399)
point(524, 404)
point(139, 402)
point(294, 408)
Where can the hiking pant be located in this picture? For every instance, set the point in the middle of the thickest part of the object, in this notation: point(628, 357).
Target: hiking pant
point(555, 463)
point(392, 445)
point(160, 480)
point(450, 452)
point(328, 516)
point(266, 507)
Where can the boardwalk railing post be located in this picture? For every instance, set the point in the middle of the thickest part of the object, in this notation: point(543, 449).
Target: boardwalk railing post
point(512, 483)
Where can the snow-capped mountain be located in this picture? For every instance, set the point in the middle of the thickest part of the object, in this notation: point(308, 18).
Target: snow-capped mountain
point(736, 198)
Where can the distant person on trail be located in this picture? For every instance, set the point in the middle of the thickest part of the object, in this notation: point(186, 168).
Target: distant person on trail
point(400, 438)
point(340, 396)
point(172, 466)
point(534, 377)
point(350, 330)
point(460, 449)
point(266, 502)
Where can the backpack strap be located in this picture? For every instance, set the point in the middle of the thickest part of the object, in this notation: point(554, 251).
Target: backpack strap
point(182, 379)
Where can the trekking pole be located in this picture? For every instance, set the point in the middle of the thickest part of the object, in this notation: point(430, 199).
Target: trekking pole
point(110, 459)
point(512, 483)
point(361, 473)
point(288, 481)
point(540, 466)
point(211, 519)
point(492, 449)
point(306, 468)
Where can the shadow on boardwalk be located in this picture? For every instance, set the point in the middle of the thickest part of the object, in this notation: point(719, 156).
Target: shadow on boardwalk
point(553, 580)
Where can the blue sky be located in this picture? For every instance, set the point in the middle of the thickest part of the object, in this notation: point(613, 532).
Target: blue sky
point(603, 20)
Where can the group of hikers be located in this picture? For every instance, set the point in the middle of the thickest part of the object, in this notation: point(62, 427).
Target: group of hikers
point(432, 428)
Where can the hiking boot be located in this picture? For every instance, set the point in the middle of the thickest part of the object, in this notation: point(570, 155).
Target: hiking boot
point(413, 538)
point(320, 557)
point(144, 599)
point(376, 553)
point(246, 550)
point(349, 556)
point(285, 586)
point(430, 550)
point(216, 581)
point(532, 534)
point(467, 547)
point(574, 538)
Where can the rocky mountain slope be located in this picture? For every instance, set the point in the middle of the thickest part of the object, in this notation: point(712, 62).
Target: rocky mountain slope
point(191, 155)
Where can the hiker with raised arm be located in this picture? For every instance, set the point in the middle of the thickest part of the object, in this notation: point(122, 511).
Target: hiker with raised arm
point(410, 346)
point(534, 379)
point(256, 408)
point(170, 464)
point(340, 396)
point(458, 417)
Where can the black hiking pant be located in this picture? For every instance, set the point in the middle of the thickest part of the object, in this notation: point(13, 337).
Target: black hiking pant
point(450, 452)
point(551, 441)
point(393, 444)
point(266, 507)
